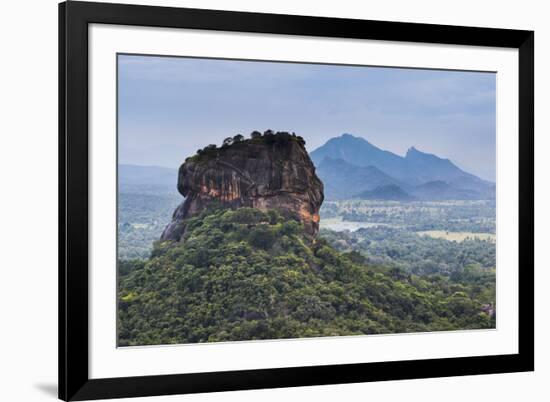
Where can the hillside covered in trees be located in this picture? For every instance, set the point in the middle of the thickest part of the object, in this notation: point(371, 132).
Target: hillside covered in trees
point(243, 274)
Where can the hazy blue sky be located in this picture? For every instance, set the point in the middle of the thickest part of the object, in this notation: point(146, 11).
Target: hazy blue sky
point(169, 107)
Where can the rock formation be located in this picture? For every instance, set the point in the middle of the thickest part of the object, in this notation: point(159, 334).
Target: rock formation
point(269, 171)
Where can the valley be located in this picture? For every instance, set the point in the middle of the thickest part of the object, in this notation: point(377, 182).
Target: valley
point(419, 237)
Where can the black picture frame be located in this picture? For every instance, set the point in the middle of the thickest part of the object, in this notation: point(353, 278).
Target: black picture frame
point(74, 18)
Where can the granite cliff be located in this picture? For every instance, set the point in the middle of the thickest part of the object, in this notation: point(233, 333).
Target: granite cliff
point(267, 171)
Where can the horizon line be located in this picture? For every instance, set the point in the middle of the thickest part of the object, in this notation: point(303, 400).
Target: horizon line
point(330, 139)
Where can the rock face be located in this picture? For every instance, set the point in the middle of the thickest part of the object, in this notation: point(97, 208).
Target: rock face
point(270, 171)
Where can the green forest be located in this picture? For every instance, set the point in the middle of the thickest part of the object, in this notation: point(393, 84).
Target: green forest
point(141, 219)
point(417, 254)
point(245, 274)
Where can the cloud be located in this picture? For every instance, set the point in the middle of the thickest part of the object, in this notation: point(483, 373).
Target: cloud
point(170, 106)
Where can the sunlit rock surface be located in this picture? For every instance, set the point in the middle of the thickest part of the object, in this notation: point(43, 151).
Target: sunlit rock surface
point(270, 171)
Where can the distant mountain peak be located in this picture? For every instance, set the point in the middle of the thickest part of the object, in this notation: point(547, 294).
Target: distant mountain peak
point(413, 151)
point(349, 156)
point(347, 138)
point(351, 139)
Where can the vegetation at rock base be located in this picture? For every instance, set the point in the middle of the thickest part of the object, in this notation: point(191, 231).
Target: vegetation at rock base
point(246, 274)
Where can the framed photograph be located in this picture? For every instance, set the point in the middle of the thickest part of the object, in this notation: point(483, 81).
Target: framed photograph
point(257, 200)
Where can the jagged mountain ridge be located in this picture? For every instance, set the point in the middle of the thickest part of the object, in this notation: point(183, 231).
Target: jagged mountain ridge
point(410, 172)
point(359, 152)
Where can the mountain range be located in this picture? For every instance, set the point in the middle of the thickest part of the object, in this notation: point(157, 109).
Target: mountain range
point(388, 192)
point(146, 179)
point(352, 167)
